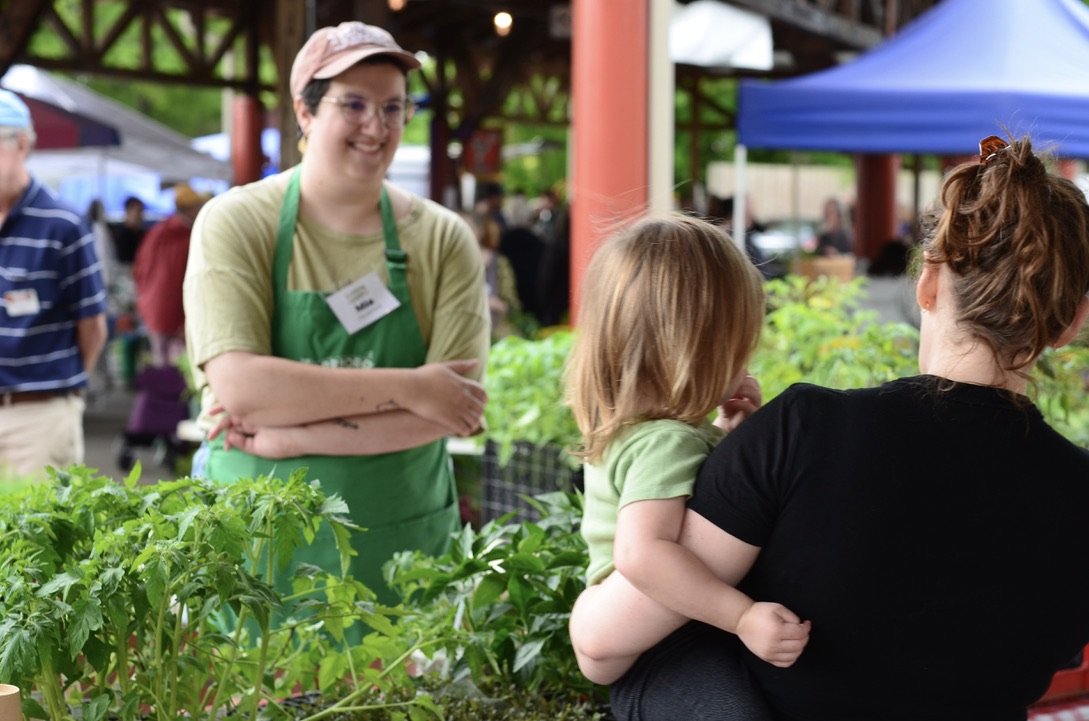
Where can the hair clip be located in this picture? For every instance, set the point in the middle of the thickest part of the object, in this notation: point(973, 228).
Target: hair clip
point(990, 147)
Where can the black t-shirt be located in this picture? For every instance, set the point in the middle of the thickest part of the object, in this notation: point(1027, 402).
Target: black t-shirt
point(839, 240)
point(126, 241)
point(935, 535)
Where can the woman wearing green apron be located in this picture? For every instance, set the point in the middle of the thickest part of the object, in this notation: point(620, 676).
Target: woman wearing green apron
point(327, 309)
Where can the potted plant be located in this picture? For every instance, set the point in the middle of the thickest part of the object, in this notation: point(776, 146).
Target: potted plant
point(529, 427)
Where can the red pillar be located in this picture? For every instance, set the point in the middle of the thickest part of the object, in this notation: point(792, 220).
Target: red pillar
point(247, 121)
point(609, 89)
point(875, 206)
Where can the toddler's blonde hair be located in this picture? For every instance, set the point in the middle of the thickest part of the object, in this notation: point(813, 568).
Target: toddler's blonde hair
point(671, 310)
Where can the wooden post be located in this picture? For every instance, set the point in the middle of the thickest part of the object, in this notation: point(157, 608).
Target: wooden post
point(247, 122)
point(875, 206)
point(290, 34)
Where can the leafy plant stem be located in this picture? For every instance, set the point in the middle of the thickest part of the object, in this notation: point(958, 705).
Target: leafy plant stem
point(345, 703)
point(175, 650)
point(353, 709)
point(52, 692)
point(258, 680)
point(258, 671)
point(157, 660)
point(229, 663)
point(122, 663)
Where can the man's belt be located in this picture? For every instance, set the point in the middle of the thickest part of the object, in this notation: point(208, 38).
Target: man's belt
point(11, 398)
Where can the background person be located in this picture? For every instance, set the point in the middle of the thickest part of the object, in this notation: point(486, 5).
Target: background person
point(672, 313)
point(158, 272)
point(96, 218)
point(835, 237)
point(130, 231)
point(53, 320)
point(721, 211)
point(340, 320)
point(499, 281)
point(931, 528)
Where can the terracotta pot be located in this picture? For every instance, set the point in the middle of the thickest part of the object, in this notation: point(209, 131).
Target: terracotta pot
point(10, 705)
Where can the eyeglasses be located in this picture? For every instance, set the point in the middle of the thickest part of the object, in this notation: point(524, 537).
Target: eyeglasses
point(990, 147)
point(394, 113)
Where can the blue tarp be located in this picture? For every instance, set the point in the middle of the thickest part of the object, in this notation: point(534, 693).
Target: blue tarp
point(963, 70)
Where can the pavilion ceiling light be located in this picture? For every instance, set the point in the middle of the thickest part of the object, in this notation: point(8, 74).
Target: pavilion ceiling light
point(397, 5)
point(503, 22)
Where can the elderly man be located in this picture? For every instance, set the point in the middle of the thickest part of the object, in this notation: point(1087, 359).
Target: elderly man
point(52, 320)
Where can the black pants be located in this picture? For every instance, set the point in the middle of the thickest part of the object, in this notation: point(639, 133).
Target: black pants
point(694, 674)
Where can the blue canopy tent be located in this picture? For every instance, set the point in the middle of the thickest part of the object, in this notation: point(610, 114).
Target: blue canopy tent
point(963, 70)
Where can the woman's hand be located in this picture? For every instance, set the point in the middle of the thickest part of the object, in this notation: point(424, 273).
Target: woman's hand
point(265, 442)
point(744, 402)
point(445, 396)
point(774, 633)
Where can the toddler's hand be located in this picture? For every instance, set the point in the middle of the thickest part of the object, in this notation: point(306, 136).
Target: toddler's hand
point(741, 405)
point(774, 633)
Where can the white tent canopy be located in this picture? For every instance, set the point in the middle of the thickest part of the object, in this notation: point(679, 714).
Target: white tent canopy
point(712, 34)
point(146, 144)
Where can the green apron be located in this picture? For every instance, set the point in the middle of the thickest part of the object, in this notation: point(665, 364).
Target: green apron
point(404, 500)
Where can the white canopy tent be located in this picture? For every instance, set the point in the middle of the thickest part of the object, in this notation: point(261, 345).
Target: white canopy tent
point(147, 146)
point(712, 34)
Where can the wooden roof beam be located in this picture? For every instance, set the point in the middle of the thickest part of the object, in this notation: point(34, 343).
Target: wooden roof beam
point(813, 19)
point(19, 19)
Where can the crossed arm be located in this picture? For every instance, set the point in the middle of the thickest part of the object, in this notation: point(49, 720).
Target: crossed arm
point(277, 408)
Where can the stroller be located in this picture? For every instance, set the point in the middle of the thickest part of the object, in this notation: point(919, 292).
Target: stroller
point(159, 406)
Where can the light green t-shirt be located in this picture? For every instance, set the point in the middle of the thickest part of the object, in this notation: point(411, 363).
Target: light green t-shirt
point(649, 461)
point(228, 280)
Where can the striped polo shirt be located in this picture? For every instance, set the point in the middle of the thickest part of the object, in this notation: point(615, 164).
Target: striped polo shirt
point(49, 279)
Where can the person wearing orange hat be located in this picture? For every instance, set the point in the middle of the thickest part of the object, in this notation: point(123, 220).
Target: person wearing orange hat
point(158, 272)
point(338, 319)
point(52, 311)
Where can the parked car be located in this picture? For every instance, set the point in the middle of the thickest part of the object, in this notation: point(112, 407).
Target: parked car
point(786, 237)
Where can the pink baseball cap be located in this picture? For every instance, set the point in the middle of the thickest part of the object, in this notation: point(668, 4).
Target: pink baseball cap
point(332, 50)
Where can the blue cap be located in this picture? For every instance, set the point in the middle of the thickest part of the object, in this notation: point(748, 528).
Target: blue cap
point(13, 111)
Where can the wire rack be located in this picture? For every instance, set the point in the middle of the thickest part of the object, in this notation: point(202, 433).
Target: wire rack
point(531, 470)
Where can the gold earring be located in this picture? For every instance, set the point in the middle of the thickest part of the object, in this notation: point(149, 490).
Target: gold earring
point(302, 144)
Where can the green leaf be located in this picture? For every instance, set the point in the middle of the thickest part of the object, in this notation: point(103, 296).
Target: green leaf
point(521, 593)
point(491, 587)
point(18, 658)
point(86, 618)
point(97, 708)
point(59, 583)
point(331, 670)
point(528, 653)
point(32, 709)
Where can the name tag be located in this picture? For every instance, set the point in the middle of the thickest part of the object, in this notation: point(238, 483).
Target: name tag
point(362, 302)
point(22, 302)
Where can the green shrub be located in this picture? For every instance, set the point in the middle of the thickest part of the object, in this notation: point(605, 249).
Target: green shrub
point(525, 394)
point(815, 333)
point(493, 611)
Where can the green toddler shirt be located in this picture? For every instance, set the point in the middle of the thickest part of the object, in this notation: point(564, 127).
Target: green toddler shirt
point(653, 460)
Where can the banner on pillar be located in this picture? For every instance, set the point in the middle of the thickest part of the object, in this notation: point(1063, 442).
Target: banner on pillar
point(482, 155)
